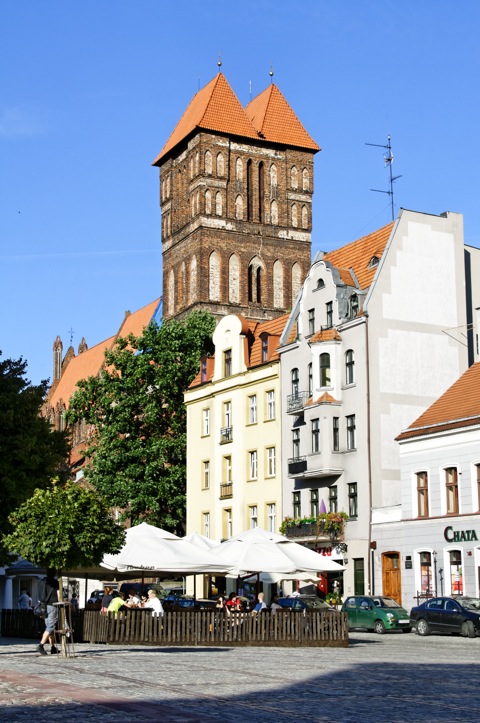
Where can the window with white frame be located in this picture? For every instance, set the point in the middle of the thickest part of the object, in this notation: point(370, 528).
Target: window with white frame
point(295, 443)
point(352, 500)
point(227, 526)
point(270, 404)
point(271, 517)
point(451, 488)
point(264, 338)
point(333, 499)
point(252, 464)
point(206, 474)
point(206, 422)
point(310, 379)
point(311, 321)
point(315, 436)
point(296, 504)
point(271, 462)
point(227, 414)
point(206, 524)
point(349, 367)
point(227, 469)
point(425, 559)
point(227, 363)
point(325, 370)
point(295, 382)
point(422, 494)
point(456, 572)
point(336, 434)
point(329, 314)
point(314, 503)
point(351, 432)
point(253, 514)
point(252, 409)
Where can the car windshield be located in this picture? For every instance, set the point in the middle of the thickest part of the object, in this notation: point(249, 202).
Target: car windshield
point(471, 603)
point(385, 602)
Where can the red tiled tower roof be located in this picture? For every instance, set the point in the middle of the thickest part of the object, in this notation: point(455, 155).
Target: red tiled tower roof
point(214, 108)
point(276, 122)
point(458, 407)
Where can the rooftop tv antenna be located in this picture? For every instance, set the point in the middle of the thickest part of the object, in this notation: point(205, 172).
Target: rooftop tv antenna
point(388, 158)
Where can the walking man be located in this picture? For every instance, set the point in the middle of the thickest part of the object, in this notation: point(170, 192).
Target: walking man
point(48, 595)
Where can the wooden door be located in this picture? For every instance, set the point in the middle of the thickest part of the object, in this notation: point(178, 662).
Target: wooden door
point(391, 576)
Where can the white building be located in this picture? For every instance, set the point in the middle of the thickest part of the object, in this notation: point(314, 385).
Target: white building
point(381, 328)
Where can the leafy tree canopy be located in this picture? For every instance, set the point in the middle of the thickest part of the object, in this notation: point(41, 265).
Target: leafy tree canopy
point(30, 453)
point(64, 527)
point(137, 455)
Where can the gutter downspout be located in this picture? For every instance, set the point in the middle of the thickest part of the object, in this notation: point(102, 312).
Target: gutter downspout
point(370, 570)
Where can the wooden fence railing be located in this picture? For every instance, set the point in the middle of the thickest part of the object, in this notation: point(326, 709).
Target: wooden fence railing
point(315, 628)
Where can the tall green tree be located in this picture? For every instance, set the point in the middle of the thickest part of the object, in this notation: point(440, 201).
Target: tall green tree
point(137, 454)
point(30, 452)
point(65, 526)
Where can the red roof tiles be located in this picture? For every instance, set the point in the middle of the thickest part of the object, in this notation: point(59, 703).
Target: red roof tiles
point(458, 407)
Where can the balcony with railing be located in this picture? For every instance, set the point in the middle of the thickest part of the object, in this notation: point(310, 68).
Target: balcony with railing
point(297, 466)
point(226, 490)
point(226, 435)
point(296, 402)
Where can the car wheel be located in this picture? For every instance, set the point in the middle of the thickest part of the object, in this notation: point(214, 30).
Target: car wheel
point(468, 629)
point(406, 630)
point(379, 627)
point(423, 627)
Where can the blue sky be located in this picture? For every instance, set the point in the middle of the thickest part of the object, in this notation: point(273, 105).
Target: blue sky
point(90, 91)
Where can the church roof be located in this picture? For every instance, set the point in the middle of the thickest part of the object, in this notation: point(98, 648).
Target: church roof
point(89, 362)
point(357, 256)
point(214, 108)
point(458, 407)
point(276, 122)
point(268, 117)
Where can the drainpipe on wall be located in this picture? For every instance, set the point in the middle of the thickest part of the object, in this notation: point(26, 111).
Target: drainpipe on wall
point(370, 567)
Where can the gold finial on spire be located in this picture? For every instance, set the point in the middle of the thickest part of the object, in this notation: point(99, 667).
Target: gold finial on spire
point(219, 61)
point(271, 73)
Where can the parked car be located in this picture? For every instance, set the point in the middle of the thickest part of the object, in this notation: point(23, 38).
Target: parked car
point(460, 615)
point(298, 603)
point(376, 613)
point(176, 603)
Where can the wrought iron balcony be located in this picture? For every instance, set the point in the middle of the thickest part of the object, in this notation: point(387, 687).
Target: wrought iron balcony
point(304, 529)
point(226, 490)
point(297, 465)
point(296, 402)
point(226, 434)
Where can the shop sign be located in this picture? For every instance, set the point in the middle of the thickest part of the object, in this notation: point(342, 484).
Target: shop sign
point(452, 535)
point(325, 551)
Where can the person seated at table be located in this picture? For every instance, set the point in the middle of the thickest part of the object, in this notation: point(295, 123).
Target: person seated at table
point(261, 605)
point(117, 604)
point(221, 606)
point(154, 603)
point(107, 597)
point(275, 606)
point(230, 603)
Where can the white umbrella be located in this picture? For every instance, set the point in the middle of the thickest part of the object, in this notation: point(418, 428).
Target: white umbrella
point(275, 577)
point(257, 550)
point(148, 548)
point(204, 543)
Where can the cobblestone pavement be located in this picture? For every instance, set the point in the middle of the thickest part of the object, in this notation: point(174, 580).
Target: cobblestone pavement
point(393, 677)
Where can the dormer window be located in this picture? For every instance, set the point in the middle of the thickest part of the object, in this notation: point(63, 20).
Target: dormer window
point(264, 347)
point(353, 306)
point(374, 261)
point(203, 369)
point(227, 363)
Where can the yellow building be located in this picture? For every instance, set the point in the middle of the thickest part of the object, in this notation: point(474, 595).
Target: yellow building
point(233, 432)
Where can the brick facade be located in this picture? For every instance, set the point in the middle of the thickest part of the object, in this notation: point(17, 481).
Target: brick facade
point(236, 225)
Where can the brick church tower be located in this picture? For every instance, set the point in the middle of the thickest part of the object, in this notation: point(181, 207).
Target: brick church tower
point(236, 190)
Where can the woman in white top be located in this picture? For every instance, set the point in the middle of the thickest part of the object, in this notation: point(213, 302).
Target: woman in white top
point(154, 603)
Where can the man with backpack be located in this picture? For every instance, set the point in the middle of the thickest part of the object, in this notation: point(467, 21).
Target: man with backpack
point(48, 595)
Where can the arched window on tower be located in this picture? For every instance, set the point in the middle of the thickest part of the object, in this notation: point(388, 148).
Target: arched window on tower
point(239, 170)
point(273, 181)
point(192, 205)
point(233, 279)
point(171, 293)
point(208, 163)
point(305, 180)
point(274, 213)
point(183, 276)
point(208, 201)
point(193, 280)
point(294, 215)
point(294, 177)
point(304, 217)
point(261, 182)
point(214, 276)
point(218, 204)
point(197, 162)
point(239, 208)
point(255, 272)
point(220, 165)
point(278, 285)
point(249, 190)
point(296, 281)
